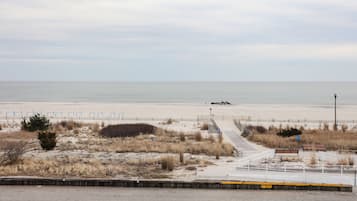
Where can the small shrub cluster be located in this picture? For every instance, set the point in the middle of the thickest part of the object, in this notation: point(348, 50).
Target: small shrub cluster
point(182, 137)
point(326, 127)
point(211, 139)
point(204, 126)
point(168, 163)
point(70, 125)
point(346, 161)
point(218, 152)
point(246, 132)
point(344, 128)
point(127, 130)
point(12, 152)
point(220, 138)
point(169, 121)
point(259, 129)
point(198, 136)
point(36, 123)
point(289, 132)
point(313, 160)
point(47, 140)
point(95, 127)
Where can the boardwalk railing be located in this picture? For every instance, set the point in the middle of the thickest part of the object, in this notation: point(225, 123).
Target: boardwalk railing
point(341, 169)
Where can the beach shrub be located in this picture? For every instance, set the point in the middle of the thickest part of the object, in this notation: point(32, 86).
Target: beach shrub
point(11, 152)
point(351, 161)
point(346, 161)
point(198, 136)
point(313, 160)
point(289, 132)
point(95, 127)
point(246, 132)
point(76, 131)
point(182, 137)
point(217, 151)
point(191, 168)
point(344, 128)
point(261, 129)
point(35, 123)
point(167, 163)
point(127, 130)
point(220, 138)
point(169, 121)
point(326, 127)
point(70, 125)
point(47, 140)
point(211, 139)
point(204, 127)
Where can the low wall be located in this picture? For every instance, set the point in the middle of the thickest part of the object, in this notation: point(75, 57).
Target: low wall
point(176, 184)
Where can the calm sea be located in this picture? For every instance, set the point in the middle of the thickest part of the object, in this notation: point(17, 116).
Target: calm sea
point(311, 93)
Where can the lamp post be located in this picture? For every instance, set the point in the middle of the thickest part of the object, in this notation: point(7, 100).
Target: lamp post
point(335, 125)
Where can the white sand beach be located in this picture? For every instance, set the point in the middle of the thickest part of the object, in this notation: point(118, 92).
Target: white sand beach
point(177, 111)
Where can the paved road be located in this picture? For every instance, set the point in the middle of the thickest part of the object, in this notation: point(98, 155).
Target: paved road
point(33, 193)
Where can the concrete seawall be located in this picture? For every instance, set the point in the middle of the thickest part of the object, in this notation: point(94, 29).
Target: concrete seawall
point(176, 184)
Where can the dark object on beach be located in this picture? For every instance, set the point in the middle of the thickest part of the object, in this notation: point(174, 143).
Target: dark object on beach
point(221, 103)
point(289, 132)
point(127, 130)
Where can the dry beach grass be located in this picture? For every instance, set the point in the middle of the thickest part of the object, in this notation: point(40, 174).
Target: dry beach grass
point(331, 140)
point(166, 151)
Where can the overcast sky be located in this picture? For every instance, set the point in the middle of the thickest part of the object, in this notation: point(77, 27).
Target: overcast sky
point(178, 40)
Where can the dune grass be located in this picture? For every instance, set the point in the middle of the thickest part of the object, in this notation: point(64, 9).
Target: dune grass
point(161, 142)
point(332, 140)
point(84, 168)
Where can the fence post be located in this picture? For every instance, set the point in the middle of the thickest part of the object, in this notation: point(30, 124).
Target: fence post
point(322, 168)
point(341, 170)
point(248, 165)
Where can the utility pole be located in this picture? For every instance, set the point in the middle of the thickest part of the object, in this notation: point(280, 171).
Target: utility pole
point(335, 125)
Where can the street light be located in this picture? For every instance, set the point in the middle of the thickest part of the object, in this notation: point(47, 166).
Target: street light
point(335, 125)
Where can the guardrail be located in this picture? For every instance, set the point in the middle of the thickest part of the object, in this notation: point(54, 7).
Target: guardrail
point(342, 169)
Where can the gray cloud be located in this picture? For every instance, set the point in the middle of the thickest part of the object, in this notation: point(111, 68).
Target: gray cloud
point(180, 39)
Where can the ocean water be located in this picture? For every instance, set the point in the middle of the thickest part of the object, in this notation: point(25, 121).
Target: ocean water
point(309, 93)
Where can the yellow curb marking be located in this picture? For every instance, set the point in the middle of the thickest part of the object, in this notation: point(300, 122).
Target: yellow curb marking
point(270, 184)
